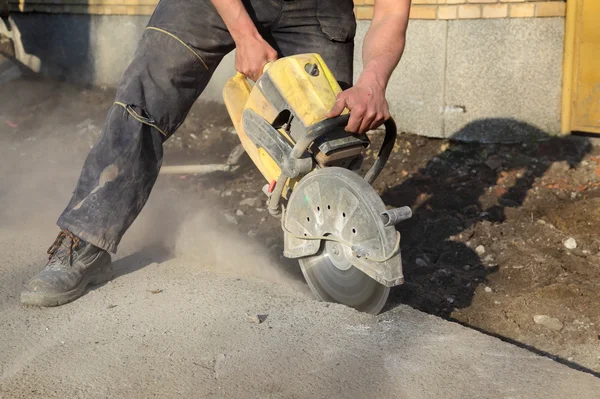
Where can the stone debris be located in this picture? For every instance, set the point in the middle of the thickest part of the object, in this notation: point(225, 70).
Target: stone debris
point(251, 202)
point(256, 318)
point(550, 323)
point(570, 243)
point(231, 219)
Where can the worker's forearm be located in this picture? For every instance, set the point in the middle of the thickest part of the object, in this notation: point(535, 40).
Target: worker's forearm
point(384, 44)
point(236, 18)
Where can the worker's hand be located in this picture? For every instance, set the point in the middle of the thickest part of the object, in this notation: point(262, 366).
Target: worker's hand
point(367, 104)
point(252, 54)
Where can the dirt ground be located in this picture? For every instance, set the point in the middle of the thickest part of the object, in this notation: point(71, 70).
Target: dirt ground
point(504, 237)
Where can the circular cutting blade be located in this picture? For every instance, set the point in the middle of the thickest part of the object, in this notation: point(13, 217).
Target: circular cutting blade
point(339, 213)
point(350, 287)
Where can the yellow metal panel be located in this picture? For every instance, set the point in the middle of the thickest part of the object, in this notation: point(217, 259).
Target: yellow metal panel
point(583, 40)
point(568, 59)
point(309, 97)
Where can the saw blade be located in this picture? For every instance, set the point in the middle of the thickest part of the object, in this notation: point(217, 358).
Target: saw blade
point(333, 226)
point(332, 279)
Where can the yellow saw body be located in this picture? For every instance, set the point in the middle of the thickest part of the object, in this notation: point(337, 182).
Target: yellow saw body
point(334, 222)
point(308, 97)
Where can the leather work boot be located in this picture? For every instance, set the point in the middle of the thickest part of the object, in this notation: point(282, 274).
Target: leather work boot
point(73, 264)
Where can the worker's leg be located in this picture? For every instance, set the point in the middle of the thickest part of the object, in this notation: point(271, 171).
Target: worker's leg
point(326, 27)
point(158, 88)
point(178, 52)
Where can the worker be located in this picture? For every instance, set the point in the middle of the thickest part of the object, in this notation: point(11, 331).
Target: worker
point(181, 47)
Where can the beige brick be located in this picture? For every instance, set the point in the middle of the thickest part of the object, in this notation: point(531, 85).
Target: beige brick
point(424, 1)
point(146, 10)
point(550, 9)
point(364, 12)
point(95, 9)
point(371, 2)
point(521, 10)
point(494, 11)
point(482, 1)
point(359, 2)
point(512, 1)
point(423, 12)
point(452, 1)
point(447, 12)
point(106, 2)
point(469, 11)
point(129, 2)
point(117, 10)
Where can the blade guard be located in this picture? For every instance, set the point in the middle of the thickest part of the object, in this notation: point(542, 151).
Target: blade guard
point(338, 203)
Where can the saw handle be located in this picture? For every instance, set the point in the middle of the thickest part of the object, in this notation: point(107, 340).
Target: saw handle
point(387, 146)
point(239, 75)
point(320, 128)
point(317, 130)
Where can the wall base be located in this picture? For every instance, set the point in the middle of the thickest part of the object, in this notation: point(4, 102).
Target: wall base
point(479, 80)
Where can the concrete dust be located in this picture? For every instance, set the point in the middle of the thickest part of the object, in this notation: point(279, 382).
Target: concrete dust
point(205, 239)
point(41, 164)
point(196, 231)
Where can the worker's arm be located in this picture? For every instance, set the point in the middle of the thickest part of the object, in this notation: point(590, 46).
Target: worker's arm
point(382, 49)
point(252, 51)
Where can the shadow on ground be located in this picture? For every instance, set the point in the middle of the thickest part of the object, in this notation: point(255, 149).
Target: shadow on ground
point(451, 194)
point(442, 272)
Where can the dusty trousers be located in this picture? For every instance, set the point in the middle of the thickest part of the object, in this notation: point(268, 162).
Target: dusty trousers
point(182, 45)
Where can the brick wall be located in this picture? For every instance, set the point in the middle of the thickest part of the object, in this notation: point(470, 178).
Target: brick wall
point(473, 9)
point(421, 9)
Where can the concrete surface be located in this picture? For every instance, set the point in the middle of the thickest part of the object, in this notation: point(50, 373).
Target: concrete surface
point(174, 321)
point(504, 68)
point(193, 340)
point(453, 72)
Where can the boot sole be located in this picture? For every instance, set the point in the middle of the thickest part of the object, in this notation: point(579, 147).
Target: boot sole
point(45, 299)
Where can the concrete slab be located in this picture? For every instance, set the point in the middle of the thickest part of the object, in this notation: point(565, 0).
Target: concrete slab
point(415, 93)
point(175, 323)
point(504, 69)
point(193, 339)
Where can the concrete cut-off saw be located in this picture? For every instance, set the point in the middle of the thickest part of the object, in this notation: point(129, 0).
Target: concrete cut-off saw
point(333, 220)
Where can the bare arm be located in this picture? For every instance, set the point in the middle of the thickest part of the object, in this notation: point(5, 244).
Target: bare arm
point(236, 19)
point(252, 51)
point(382, 49)
point(384, 42)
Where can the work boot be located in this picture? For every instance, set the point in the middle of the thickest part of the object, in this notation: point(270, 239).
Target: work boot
point(73, 264)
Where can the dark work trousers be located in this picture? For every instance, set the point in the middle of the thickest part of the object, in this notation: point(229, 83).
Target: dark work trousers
point(183, 44)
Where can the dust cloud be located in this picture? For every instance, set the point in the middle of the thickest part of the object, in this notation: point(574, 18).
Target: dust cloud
point(41, 161)
point(196, 232)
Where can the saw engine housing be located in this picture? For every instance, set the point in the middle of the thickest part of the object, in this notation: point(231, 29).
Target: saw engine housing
point(281, 122)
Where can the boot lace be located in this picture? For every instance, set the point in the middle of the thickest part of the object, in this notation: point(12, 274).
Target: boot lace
point(73, 243)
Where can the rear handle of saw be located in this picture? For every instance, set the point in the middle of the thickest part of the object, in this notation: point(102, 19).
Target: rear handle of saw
point(319, 129)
